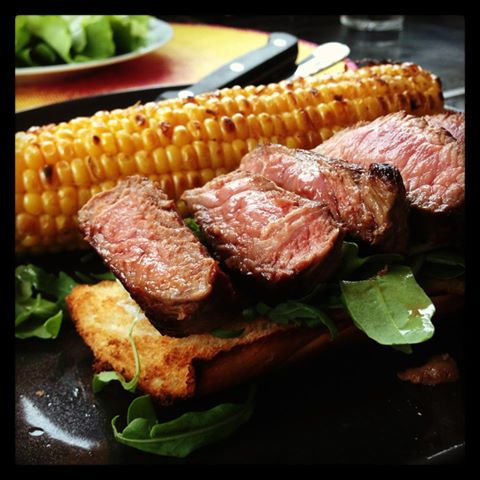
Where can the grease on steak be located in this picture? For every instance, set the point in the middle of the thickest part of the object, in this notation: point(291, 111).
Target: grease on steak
point(137, 231)
point(438, 369)
point(369, 202)
point(269, 235)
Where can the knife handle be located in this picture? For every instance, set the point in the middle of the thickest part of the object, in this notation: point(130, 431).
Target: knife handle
point(277, 56)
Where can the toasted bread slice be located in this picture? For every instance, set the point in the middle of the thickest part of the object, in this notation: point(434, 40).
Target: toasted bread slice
point(180, 368)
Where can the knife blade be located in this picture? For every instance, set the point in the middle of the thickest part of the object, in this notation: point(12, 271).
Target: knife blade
point(324, 56)
point(275, 59)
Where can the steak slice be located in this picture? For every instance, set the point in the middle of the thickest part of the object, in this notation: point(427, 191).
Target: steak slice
point(370, 203)
point(430, 160)
point(277, 239)
point(453, 122)
point(137, 231)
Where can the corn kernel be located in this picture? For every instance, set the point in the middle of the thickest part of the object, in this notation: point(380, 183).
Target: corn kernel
point(33, 157)
point(84, 195)
point(50, 203)
point(26, 224)
point(206, 175)
point(67, 197)
point(160, 160)
point(189, 158)
point(47, 225)
point(80, 172)
point(110, 167)
point(144, 162)
point(216, 154)
point(32, 203)
point(127, 164)
point(181, 136)
point(125, 143)
point(108, 143)
point(49, 151)
point(203, 155)
point(31, 182)
point(95, 169)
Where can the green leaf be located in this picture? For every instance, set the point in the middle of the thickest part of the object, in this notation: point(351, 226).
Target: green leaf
point(351, 261)
point(292, 311)
point(35, 316)
point(99, 36)
point(101, 379)
point(77, 31)
point(104, 276)
point(53, 30)
point(142, 407)
point(22, 34)
point(43, 54)
point(49, 329)
point(223, 333)
point(446, 257)
point(444, 264)
point(392, 308)
point(129, 31)
point(194, 227)
point(183, 435)
point(37, 306)
point(404, 348)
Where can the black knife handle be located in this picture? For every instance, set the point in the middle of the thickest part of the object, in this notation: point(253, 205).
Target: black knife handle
point(271, 61)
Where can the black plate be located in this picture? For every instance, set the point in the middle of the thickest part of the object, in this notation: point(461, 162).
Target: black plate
point(347, 406)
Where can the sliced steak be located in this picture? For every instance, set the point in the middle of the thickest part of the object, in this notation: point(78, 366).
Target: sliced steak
point(369, 202)
point(137, 231)
point(453, 122)
point(277, 239)
point(430, 160)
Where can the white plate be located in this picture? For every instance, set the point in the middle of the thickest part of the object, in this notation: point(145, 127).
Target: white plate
point(160, 33)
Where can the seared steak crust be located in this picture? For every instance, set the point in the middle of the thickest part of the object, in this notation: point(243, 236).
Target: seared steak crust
point(275, 238)
point(137, 231)
point(369, 202)
point(431, 161)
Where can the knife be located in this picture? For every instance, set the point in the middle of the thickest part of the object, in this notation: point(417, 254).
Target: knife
point(324, 56)
point(276, 59)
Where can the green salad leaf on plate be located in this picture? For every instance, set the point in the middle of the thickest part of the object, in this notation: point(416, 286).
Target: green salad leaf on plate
point(42, 40)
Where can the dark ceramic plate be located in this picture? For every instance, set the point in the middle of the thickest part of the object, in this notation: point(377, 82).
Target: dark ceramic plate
point(347, 406)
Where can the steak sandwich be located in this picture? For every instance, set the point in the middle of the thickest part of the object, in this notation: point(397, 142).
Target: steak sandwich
point(273, 231)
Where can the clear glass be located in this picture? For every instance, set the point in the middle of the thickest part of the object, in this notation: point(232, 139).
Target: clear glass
point(373, 23)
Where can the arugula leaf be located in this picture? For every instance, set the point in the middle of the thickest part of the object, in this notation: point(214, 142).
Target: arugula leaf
point(391, 308)
point(194, 227)
point(223, 333)
point(351, 261)
point(403, 348)
point(50, 328)
point(443, 263)
point(183, 435)
point(293, 312)
point(101, 379)
point(36, 316)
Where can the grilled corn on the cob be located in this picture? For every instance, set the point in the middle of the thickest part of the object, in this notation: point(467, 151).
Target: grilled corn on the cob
point(183, 143)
